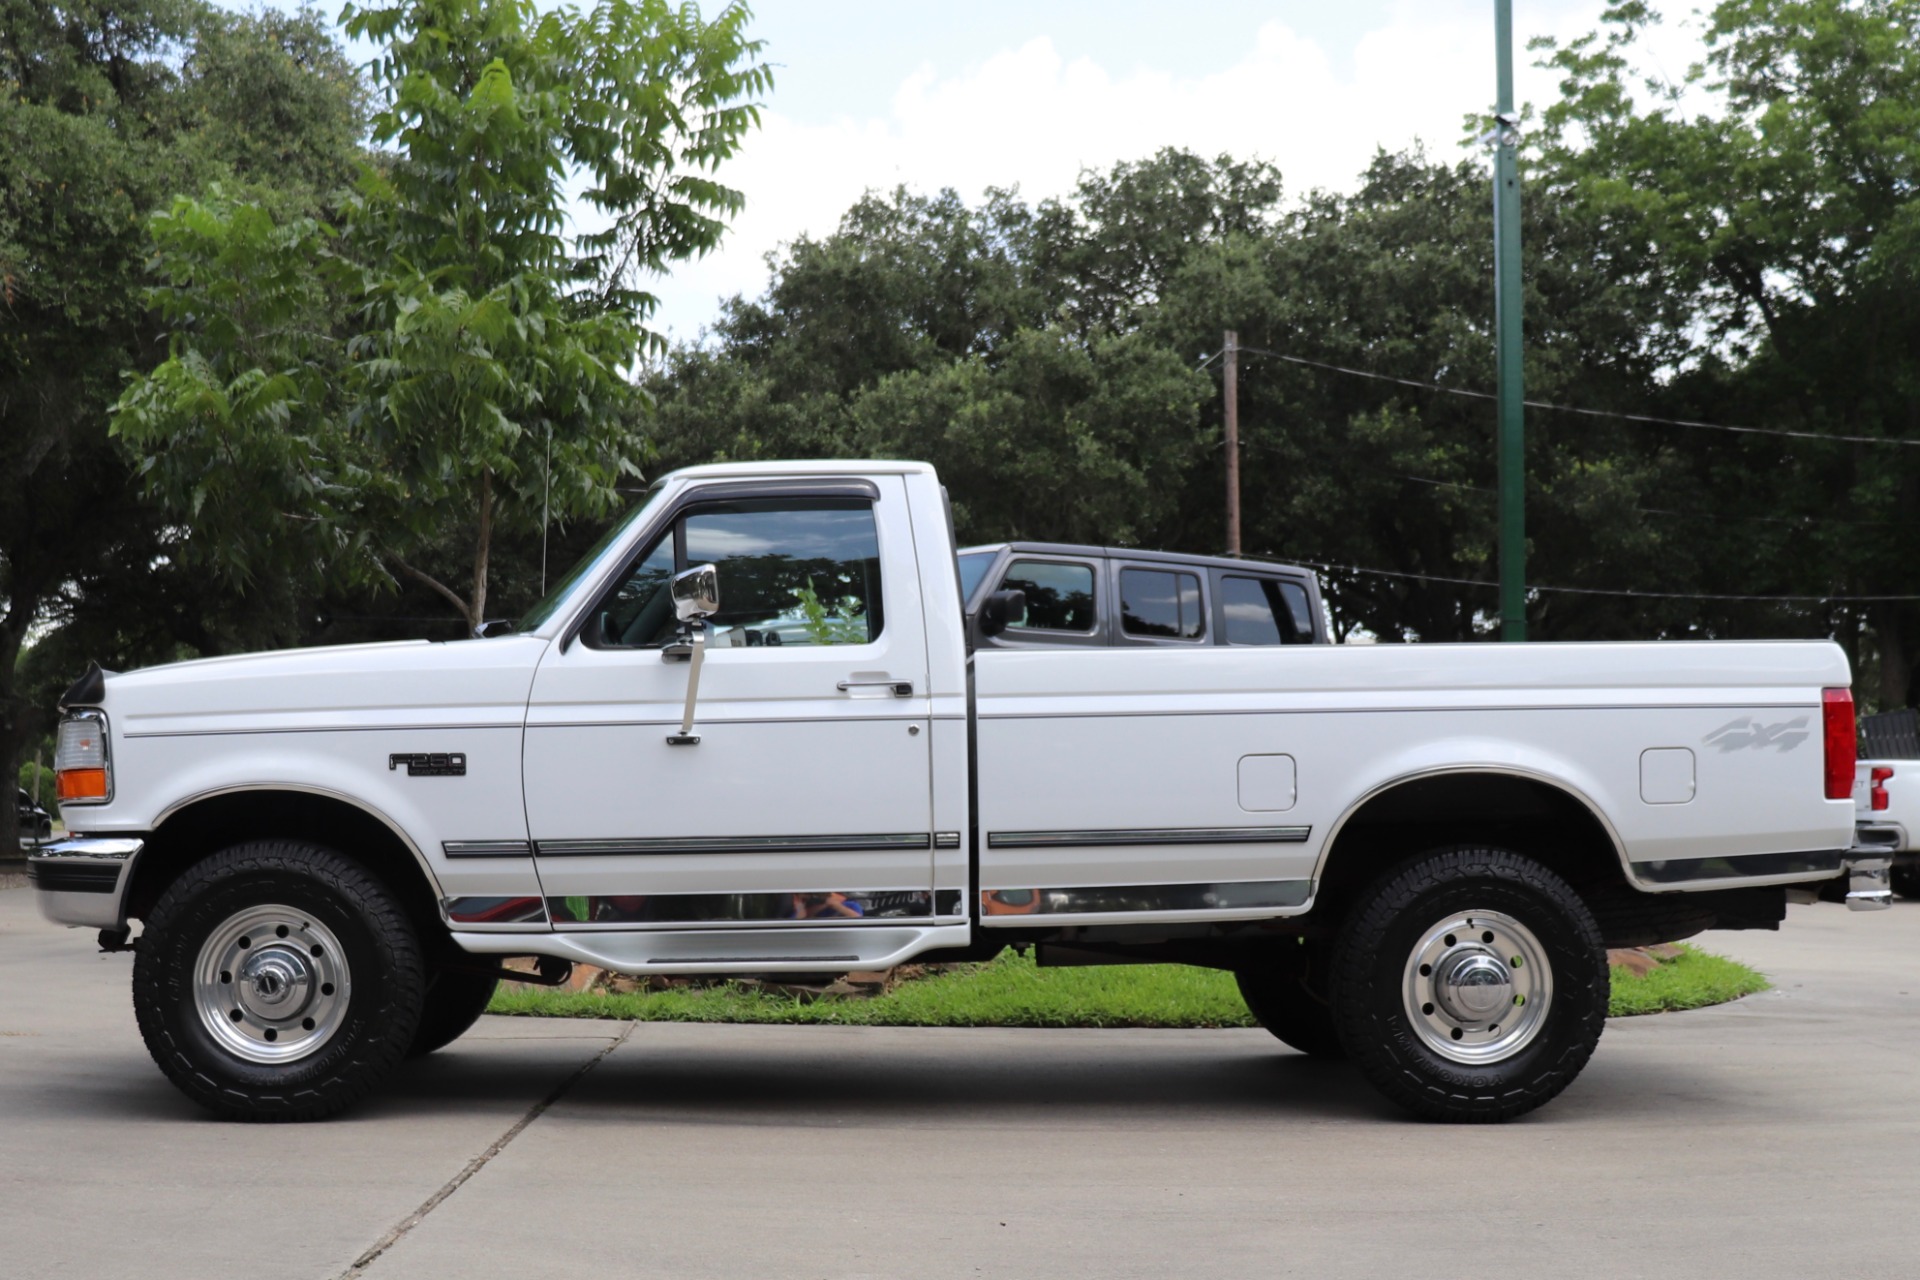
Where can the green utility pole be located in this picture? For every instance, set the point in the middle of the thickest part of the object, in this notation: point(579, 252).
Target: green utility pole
point(1506, 317)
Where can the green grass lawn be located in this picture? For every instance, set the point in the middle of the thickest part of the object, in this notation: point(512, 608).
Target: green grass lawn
point(1012, 991)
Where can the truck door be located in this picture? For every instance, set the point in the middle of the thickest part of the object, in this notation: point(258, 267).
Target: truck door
point(807, 799)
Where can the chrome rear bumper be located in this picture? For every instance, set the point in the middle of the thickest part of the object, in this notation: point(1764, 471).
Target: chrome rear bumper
point(83, 881)
point(1869, 886)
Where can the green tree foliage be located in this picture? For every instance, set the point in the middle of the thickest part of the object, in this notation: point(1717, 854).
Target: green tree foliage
point(997, 343)
point(1045, 360)
point(446, 361)
point(1737, 249)
point(1393, 279)
point(106, 111)
point(1778, 189)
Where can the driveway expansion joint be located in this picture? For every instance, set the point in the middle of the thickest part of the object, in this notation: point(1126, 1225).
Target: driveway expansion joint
point(480, 1161)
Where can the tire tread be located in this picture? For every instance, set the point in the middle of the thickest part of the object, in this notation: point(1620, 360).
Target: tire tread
point(349, 1077)
point(1372, 1023)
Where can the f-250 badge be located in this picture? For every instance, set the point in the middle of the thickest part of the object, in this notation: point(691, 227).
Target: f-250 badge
point(430, 764)
point(1748, 733)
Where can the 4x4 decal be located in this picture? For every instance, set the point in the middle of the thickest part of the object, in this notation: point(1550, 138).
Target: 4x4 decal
point(1748, 733)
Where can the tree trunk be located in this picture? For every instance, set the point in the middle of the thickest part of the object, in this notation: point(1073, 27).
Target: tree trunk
point(13, 726)
point(482, 544)
point(1896, 664)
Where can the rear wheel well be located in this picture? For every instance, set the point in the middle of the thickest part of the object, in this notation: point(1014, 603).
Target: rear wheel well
point(1539, 821)
point(1528, 816)
point(207, 826)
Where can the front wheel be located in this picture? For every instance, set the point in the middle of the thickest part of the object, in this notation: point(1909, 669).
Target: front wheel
point(1470, 985)
point(453, 1004)
point(277, 981)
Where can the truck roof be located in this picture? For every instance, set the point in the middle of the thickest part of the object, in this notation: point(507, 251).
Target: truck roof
point(803, 467)
point(1134, 553)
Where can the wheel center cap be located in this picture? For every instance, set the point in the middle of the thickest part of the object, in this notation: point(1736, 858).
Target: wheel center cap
point(1473, 986)
point(275, 982)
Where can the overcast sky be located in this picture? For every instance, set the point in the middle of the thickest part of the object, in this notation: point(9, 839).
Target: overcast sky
point(1027, 93)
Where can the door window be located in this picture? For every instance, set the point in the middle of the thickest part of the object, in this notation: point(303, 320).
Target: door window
point(792, 571)
point(1059, 596)
point(1265, 611)
point(1160, 604)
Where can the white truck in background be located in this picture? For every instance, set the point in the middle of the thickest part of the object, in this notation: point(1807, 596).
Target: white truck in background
point(755, 731)
point(1886, 795)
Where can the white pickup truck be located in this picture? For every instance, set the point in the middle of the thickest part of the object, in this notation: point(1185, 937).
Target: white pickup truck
point(751, 733)
point(1886, 796)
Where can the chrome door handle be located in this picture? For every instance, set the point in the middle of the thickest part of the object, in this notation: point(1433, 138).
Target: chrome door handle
point(900, 688)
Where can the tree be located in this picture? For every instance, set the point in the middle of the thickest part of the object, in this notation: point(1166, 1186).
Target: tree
point(1782, 216)
point(998, 342)
point(446, 362)
point(1347, 470)
point(106, 110)
point(1045, 359)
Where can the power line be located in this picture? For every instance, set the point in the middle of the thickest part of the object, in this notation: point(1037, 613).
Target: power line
point(1646, 511)
point(1795, 521)
point(1330, 567)
point(1643, 418)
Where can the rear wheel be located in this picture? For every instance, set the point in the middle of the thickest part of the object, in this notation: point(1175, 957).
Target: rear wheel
point(277, 981)
point(1470, 985)
point(453, 1004)
point(1282, 995)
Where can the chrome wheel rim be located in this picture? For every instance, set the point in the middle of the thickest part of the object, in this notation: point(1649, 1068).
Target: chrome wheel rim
point(271, 984)
point(1478, 986)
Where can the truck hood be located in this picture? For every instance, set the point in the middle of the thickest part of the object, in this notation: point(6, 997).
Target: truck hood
point(411, 684)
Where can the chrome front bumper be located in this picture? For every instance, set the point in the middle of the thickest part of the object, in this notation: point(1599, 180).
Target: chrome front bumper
point(83, 881)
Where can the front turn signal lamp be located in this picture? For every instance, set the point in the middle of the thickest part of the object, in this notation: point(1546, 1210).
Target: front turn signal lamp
point(82, 771)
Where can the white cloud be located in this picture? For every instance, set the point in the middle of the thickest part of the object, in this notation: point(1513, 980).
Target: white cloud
point(1026, 116)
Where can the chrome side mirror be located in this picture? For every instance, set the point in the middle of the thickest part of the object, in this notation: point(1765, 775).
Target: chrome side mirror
point(696, 593)
point(696, 597)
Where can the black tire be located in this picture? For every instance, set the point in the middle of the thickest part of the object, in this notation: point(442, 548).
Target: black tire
point(1906, 881)
point(333, 943)
point(453, 1004)
point(1280, 993)
point(1471, 1049)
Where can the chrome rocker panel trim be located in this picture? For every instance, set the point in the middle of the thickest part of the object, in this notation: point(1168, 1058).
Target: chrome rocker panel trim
point(800, 949)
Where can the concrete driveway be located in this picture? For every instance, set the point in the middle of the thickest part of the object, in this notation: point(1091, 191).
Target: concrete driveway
point(1779, 1136)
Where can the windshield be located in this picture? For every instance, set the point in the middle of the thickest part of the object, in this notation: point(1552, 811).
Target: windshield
point(545, 609)
point(973, 566)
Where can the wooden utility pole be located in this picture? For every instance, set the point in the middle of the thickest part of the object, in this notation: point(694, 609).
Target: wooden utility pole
point(1232, 378)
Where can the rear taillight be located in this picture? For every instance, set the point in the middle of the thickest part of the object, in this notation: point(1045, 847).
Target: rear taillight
point(1836, 716)
point(82, 773)
point(1877, 787)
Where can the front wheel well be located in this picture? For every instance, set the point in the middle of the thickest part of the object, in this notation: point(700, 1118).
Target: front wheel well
point(205, 827)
